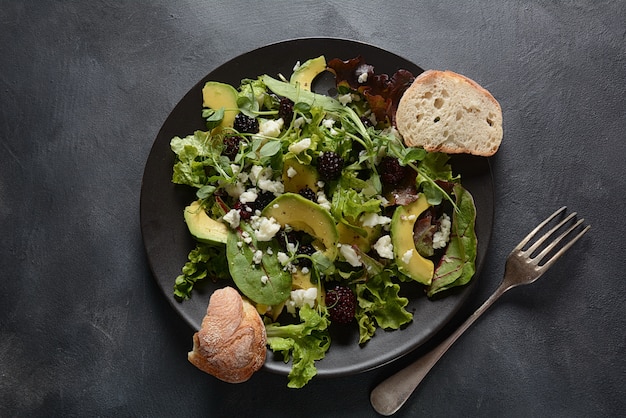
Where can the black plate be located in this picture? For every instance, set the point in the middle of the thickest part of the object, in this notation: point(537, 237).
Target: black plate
point(167, 240)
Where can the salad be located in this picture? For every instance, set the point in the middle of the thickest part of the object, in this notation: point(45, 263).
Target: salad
point(314, 208)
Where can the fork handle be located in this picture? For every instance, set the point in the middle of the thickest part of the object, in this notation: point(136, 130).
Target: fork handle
point(393, 392)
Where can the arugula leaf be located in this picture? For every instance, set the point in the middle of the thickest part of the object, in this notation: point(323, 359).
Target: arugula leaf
point(304, 343)
point(205, 260)
point(457, 265)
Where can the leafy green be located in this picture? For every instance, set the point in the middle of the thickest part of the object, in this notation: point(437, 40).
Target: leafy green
point(297, 95)
point(205, 260)
point(305, 343)
point(457, 266)
point(266, 282)
point(379, 304)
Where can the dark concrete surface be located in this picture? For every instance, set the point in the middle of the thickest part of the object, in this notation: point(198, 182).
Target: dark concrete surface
point(84, 89)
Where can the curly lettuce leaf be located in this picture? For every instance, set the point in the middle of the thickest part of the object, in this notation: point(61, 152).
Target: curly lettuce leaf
point(457, 266)
point(379, 304)
point(205, 260)
point(304, 343)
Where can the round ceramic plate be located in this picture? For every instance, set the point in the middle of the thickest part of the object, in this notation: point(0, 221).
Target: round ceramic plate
point(167, 240)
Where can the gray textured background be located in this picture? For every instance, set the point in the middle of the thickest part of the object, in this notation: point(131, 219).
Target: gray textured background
point(85, 87)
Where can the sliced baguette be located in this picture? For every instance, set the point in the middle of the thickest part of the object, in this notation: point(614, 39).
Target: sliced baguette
point(447, 112)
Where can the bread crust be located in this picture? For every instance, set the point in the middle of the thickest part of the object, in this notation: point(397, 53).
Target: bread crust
point(231, 344)
point(443, 111)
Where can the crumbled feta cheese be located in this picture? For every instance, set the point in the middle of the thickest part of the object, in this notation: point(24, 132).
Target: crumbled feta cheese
point(257, 257)
point(305, 270)
point(406, 257)
point(328, 123)
point(291, 172)
point(233, 218)
point(269, 250)
point(301, 145)
point(234, 190)
point(384, 247)
point(299, 121)
point(344, 99)
point(271, 127)
point(441, 237)
point(322, 200)
point(248, 196)
point(282, 258)
point(268, 227)
point(373, 219)
point(299, 297)
point(320, 184)
point(264, 279)
point(257, 172)
point(363, 77)
point(350, 255)
point(246, 237)
point(273, 186)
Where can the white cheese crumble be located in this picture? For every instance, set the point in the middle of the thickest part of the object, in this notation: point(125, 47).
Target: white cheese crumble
point(257, 257)
point(373, 219)
point(328, 123)
point(291, 172)
point(268, 227)
point(299, 297)
point(233, 218)
point(441, 237)
point(248, 196)
point(363, 77)
point(384, 247)
point(282, 258)
point(350, 255)
point(406, 257)
point(322, 200)
point(271, 127)
point(301, 145)
point(344, 99)
point(264, 279)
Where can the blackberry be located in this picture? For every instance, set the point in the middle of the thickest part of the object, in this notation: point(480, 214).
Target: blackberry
point(245, 210)
point(306, 249)
point(329, 165)
point(231, 146)
point(391, 172)
point(367, 122)
point(285, 110)
point(308, 193)
point(341, 304)
point(263, 199)
point(245, 124)
point(286, 237)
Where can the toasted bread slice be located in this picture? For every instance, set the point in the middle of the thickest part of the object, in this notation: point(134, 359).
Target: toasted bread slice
point(447, 112)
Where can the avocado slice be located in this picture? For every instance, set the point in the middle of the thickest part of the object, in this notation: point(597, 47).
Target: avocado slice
point(303, 215)
point(350, 236)
point(409, 261)
point(216, 95)
point(306, 72)
point(202, 227)
point(305, 175)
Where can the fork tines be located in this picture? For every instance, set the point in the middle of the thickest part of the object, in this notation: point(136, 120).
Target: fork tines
point(547, 244)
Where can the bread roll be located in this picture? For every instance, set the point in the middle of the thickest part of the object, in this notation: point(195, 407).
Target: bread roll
point(231, 342)
point(447, 112)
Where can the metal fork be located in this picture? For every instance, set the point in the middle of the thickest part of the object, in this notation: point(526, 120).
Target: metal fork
point(523, 266)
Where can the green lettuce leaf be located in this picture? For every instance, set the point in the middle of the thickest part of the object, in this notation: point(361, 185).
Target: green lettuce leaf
point(304, 343)
point(205, 260)
point(380, 304)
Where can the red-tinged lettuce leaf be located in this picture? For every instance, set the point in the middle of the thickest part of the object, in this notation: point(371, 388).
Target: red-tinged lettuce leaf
point(381, 91)
point(457, 266)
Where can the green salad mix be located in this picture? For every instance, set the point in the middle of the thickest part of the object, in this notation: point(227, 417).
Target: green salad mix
point(316, 210)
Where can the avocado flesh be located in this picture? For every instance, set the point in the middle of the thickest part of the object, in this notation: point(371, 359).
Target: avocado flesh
point(216, 95)
point(202, 227)
point(418, 268)
point(306, 73)
point(303, 215)
point(350, 236)
point(306, 175)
